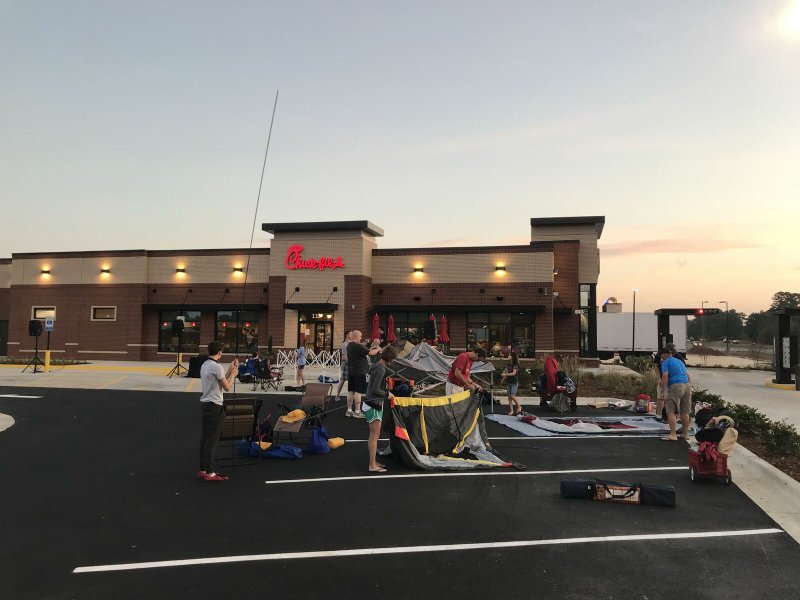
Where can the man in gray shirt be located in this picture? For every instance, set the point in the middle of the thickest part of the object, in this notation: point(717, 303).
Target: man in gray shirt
point(215, 380)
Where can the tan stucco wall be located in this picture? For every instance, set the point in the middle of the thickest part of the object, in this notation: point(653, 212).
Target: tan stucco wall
point(458, 268)
point(206, 269)
point(5, 276)
point(589, 255)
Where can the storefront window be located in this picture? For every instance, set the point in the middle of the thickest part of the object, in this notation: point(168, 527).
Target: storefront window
point(493, 330)
point(189, 341)
point(585, 295)
point(411, 325)
point(226, 330)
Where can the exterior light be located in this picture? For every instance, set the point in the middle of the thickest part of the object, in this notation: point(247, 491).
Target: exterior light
point(419, 270)
point(181, 270)
point(105, 271)
point(238, 270)
point(327, 316)
point(500, 269)
point(45, 270)
point(555, 272)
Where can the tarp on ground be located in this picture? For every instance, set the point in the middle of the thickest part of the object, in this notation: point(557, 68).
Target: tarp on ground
point(442, 433)
point(577, 426)
point(427, 360)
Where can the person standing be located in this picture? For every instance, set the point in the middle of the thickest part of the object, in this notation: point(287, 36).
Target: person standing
point(343, 365)
point(357, 368)
point(215, 380)
point(510, 376)
point(373, 398)
point(679, 393)
point(301, 363)
point(458, 378)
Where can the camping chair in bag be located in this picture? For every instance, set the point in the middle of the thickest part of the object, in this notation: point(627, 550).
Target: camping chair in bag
point(313, 403)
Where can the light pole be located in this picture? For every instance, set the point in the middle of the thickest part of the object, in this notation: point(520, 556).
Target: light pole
point(727, 331)
point(703, 320)
point(633, 330)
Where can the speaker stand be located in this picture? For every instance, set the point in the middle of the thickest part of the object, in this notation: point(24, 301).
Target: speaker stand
point(178, 368)
point(35, 362)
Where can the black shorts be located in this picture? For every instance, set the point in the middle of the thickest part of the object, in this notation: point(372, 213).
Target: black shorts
point(357, 383)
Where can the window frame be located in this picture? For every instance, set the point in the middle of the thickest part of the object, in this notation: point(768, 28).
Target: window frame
point(35, 309)
point(92, 316)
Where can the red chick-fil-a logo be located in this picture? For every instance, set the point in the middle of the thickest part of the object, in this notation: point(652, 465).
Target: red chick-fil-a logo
point(294, 260)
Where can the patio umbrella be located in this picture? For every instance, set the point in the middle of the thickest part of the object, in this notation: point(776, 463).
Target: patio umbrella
point(444, 337)
point(390, 330)
point(376, 327)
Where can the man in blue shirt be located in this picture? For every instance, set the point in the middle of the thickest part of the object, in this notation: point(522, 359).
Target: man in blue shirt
point(679, 393)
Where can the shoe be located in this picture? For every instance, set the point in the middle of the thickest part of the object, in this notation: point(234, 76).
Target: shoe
point(349, 413)
point(215, 477)
point(358, 414)
point(201, 474)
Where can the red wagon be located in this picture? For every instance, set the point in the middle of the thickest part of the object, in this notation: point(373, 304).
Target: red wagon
point(699, 466)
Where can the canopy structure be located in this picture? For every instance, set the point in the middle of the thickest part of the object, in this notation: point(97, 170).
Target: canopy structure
point(429, 367)
point(445, 433)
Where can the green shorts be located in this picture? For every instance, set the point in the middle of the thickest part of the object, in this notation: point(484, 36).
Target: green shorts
point(373, 414)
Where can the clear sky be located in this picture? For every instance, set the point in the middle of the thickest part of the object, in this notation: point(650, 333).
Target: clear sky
point(128, 125)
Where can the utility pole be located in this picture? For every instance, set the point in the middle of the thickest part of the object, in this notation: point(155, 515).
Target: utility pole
point(703, 320)
point(633, 332)
point(727, 330)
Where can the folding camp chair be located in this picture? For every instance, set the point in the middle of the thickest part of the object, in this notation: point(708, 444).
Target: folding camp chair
point(313, 403)
point(268, 376)
point(241, 418)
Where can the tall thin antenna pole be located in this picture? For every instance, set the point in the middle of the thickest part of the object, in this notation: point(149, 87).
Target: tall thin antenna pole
point(253, 230)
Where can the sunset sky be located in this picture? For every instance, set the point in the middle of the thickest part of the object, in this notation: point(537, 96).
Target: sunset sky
point(143, 125)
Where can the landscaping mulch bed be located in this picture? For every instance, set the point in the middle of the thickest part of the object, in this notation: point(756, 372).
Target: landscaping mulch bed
point(788, 464)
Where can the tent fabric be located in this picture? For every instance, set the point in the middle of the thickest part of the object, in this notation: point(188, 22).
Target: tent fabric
point(442, 433)
point(559, 426)
point(429, 360)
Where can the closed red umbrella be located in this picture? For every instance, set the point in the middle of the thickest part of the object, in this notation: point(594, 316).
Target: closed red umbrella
point(444, 337)
point(376, 327)
point(390, 327)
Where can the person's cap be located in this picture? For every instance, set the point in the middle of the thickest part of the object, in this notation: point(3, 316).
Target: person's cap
point(664, 351)
point(671, 347)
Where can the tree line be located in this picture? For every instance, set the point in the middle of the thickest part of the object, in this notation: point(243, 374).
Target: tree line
point(759, 327)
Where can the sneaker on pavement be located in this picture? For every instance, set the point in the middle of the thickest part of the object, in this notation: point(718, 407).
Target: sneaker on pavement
point(201, 474)
point(215, 477)
point(358, 414)
point(349, 413)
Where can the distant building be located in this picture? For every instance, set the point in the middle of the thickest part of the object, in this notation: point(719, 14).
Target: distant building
point(317, 280)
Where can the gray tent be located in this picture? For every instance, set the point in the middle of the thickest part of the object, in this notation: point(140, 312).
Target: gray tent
point(428, 367)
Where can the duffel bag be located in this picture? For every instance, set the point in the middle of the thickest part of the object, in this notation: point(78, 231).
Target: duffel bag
point(616, 491)
point(658, 495)
point(580, 489)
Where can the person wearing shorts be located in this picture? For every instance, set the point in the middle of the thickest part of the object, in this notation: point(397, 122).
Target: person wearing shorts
point(343, 365)
point(358, 367)
point(510, 376)
point(374, 397)
point(679, 394)
point(301, 363)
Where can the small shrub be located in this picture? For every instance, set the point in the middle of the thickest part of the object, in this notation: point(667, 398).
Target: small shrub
point(782, 439)
point(714, 400)
point(749, 420)
point(640, 364)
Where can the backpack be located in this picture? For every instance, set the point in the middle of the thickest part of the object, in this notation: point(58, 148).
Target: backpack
point(560, 403)
point(561, 378)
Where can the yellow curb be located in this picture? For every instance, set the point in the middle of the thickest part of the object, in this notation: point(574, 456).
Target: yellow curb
point(789, 387)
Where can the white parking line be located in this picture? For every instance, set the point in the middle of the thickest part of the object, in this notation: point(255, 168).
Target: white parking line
point(558, 436)
point(18, 396)
point(477, 474)
point(417, 549)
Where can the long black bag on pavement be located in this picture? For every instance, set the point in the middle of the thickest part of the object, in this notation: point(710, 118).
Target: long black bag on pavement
point(658, 495)
point(579, 489)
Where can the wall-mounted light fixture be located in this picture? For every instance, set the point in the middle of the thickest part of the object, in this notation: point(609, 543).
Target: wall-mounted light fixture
point(500, 298)
point(482, 291)
point(500, 269)
point(433, 290)
point(419, 270)
point(238, 270)
point(105, 271)
point(181, 270)
point(417, 298)
point(555, 272)
point(45, 270)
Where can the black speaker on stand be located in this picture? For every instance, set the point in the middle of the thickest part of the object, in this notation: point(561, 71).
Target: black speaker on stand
point(177, 330)
point(429, 329)
point(34, 330)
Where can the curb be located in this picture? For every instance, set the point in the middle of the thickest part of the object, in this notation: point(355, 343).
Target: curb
point(5, 422)
point(773, 491)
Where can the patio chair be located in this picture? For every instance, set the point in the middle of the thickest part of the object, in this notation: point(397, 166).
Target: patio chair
point(314, 403)
point(241, 418)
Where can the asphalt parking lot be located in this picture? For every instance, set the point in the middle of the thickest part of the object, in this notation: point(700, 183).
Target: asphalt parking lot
point(99, 479)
